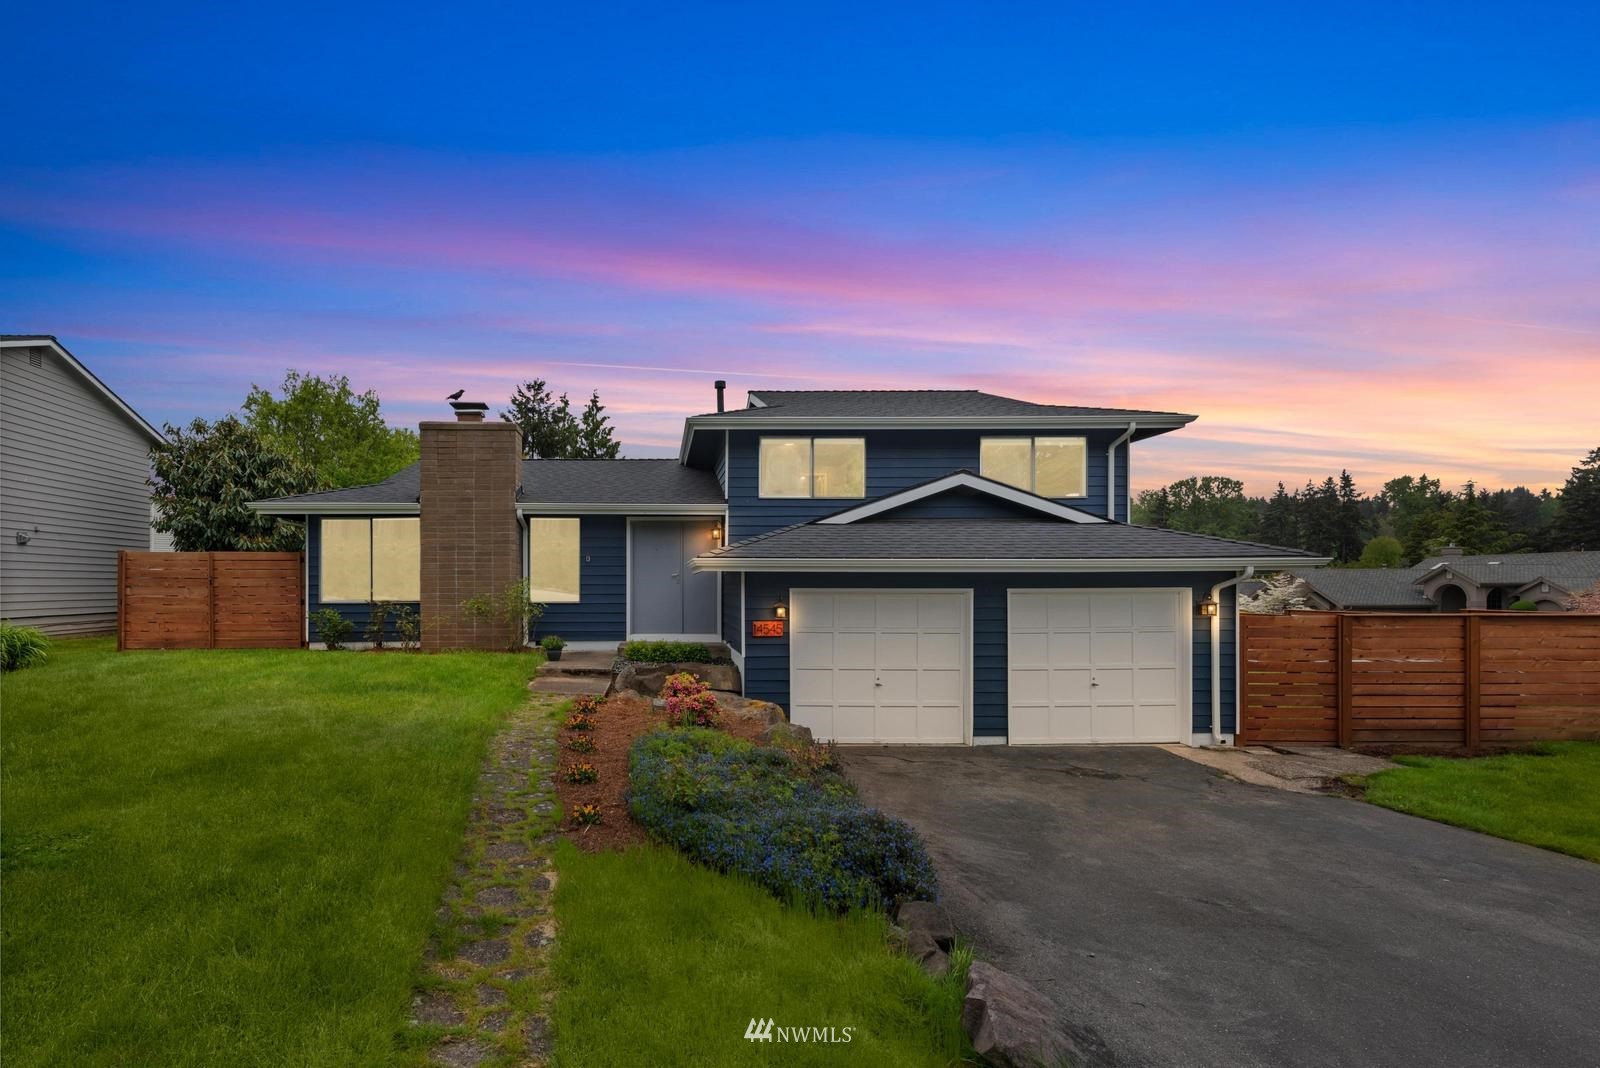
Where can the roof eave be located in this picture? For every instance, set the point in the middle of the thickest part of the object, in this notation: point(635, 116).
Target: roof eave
point(722, 562)
point(292, 507)
point(91, 378)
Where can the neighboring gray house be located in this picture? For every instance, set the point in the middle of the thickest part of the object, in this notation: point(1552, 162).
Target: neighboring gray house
point(1452, 581)
point(73, 463)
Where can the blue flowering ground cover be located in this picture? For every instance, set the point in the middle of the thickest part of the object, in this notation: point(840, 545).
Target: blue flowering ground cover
point(797, 830)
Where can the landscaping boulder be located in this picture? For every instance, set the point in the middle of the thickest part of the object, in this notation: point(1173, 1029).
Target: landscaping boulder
point(749, 708)
point(921, 948)
point(783, 731)
point(928, 918)
point(647, 679)
point(1011, 1023)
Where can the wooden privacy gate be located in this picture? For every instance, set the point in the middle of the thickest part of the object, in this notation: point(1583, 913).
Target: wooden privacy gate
point(1357, 678)
point(210, 600)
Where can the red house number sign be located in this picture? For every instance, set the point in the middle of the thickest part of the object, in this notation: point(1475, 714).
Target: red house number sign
point(766, 628)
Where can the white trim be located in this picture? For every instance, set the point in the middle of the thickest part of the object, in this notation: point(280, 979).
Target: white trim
point(962, 480)
point(989, 564)
point(1203, 741)
point(965, 591)
point(1183, 597)
point(686, 511)
point(1216, 653)
point(733, 421)
point(341, 508)
point(88, 376)
point(744, 628)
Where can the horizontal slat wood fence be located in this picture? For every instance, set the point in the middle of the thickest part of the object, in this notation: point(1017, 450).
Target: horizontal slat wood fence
point(1348, 678)
point(210, 600)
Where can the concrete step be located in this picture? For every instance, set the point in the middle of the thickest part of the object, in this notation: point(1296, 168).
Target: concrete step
point(580, 663)
point(570, 684)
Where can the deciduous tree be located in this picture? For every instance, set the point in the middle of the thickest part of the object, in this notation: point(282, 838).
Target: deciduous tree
point(339, 433)
point(204, 476)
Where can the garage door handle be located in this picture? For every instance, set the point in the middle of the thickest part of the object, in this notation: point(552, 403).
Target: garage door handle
point(878, 682)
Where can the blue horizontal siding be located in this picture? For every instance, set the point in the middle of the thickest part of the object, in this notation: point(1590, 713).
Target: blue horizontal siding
point(600, 613)
point(766, 660)
point(358, 613)
point(732, 632)
point(896, 459)
point(961, 504)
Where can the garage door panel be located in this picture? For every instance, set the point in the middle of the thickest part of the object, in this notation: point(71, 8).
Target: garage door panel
point(882, 666)
point(1106, 666)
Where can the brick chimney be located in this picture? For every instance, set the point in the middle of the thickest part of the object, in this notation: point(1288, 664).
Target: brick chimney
point(470, 544)
point(1451, 550)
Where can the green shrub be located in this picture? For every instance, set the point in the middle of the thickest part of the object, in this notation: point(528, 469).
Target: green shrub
point(551, 642)
point(332, 629)
point(408, 625)
point(798, 831)
point(21, 647)
point(1524, 605)
point(667, 652)
point(511, 610)
point(378, 613)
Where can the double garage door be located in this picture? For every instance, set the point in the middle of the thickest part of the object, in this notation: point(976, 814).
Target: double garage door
point(1083, 666)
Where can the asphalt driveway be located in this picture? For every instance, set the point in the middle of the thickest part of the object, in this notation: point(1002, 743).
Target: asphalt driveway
point(1192, 920)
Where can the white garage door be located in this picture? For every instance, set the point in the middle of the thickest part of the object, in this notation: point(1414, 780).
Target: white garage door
point(1098, 665)
point(870, 666)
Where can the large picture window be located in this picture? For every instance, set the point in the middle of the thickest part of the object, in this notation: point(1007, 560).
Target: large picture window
point(813, 467)
point(555, 563)
point(371, 560)
point(1050, 467)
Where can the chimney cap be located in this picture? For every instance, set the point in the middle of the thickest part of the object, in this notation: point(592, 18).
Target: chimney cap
point(469, 411)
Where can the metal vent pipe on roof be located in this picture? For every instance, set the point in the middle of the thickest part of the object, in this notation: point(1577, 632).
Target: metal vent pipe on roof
point(721, 385)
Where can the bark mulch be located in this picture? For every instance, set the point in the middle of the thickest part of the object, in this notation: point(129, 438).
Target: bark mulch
point(618, 723)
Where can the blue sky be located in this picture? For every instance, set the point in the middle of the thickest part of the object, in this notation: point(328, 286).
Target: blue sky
point(1256, 213)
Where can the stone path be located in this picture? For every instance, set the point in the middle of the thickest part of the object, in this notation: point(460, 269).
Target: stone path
point(485, 993)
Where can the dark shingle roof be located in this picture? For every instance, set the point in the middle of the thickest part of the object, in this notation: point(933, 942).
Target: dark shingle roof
point(553, 482)
point(1366, 587)
point(1572, 571)
point(915, 404)
point(990, 539)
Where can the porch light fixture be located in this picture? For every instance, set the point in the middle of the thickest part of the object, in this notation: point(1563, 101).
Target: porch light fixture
point(716, 532)
point(780, 610)
point(1207, 608)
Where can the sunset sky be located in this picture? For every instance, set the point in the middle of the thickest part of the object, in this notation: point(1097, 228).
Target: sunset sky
point(1345, 237)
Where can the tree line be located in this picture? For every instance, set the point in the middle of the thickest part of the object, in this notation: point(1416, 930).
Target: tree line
point(316, 433)
point(1412, 517)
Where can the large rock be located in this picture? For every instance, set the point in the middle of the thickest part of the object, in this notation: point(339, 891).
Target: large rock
point(921, 948)
point(1010, 1023)
point(647, 679)
point(928, 918)
point(749, 708)
point(783, 732)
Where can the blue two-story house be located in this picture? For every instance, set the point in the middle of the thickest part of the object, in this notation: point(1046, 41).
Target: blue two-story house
point(903, 566)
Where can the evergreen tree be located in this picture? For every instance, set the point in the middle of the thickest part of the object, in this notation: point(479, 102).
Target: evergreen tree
point(1279, 523)
point(595, 435)
point(549, 429)
point(1578, 518)
point(1349, 525)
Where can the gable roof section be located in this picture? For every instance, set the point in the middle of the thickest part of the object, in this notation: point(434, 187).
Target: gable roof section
point(1365, 587)
point(549, 486)
point(962, 480)
point(890, 545)
point(10, 341)
point(867, 409)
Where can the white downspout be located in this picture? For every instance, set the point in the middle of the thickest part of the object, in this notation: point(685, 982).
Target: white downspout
point(1216, 650)
point(1111, 474)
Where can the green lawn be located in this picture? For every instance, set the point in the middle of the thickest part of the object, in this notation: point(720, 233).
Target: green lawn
point(662, 962)
point(1549, 797)
point(230, 857)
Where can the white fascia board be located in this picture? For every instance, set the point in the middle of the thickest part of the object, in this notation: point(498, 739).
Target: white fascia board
point(89, 377)
point(332, 508)
point(963, 480)
point(542, 508)
point(1228, 563)
point(732, 421)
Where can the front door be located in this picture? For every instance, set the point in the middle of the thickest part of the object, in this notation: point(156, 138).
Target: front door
point(665, 596)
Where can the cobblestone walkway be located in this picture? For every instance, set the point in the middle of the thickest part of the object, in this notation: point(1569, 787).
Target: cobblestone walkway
point(484, 998)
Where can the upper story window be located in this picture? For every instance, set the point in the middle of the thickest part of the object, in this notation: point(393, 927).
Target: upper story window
point(813, 467)
point(1050, 467)
point(371, 560)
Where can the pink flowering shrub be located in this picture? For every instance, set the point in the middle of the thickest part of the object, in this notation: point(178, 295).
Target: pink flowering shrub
point(690, 702)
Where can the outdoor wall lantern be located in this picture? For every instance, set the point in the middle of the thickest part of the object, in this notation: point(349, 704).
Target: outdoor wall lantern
point(716, 532)
point(1208, 608)
point(780, 610)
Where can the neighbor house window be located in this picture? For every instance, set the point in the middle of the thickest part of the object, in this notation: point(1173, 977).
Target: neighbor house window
point(813, 467)
point(554, 562)
point(371, 560)
point(1050, 467)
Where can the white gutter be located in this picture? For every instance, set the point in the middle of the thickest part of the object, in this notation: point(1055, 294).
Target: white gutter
point(1065, 565)
point(1111, 474)
point(1216, 654)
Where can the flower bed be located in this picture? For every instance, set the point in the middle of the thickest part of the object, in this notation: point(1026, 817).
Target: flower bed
point(794, 826)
